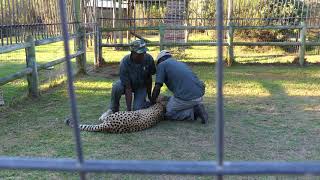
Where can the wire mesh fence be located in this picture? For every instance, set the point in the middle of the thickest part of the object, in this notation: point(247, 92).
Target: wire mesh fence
point(220, 167)
point(39, 18)
point(199, 18)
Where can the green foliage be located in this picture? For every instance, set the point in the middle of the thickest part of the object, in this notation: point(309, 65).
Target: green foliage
point(283, 13)
point(273, 13)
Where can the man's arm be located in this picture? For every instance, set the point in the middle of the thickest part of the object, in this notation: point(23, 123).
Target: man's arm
point(149, 86)
point(149, 78)
point(155, 92)
point(159, 82)
point(128, 94)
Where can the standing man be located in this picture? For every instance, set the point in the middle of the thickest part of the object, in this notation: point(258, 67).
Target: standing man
point(188, 90)
point(136, 70)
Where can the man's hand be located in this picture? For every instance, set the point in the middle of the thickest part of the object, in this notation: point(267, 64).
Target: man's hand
point(155, 93)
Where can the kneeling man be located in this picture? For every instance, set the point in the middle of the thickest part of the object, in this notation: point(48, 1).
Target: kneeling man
point(188, 90)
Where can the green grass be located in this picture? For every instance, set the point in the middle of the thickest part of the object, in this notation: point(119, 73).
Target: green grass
point(15, 61)
point(271, 113)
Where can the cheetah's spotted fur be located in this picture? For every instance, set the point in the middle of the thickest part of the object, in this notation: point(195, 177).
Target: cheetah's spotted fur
point(128, 121)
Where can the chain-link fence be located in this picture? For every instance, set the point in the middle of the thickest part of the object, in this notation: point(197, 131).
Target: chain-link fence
point(217, 168)
point(192, 24)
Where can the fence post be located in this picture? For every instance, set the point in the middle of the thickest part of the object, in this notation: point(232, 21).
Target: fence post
point(98, 48)
point(101, 60)
point(33, 78)
point(161, 32)
point(302, 48)
point(230, 59)
point(80, 43)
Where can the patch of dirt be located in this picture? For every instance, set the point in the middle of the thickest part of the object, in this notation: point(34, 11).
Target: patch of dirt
point(107, 71)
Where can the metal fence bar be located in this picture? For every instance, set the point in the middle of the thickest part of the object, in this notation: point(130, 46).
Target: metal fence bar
point(162, 167)
point(182, 27)
point(219, 130)
point(215, 44)
point(72, 96)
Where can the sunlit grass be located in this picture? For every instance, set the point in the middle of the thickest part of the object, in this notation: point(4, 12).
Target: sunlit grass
point(270, 114)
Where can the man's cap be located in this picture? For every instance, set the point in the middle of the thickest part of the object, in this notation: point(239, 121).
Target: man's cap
point(138, 46)
point(163, 53)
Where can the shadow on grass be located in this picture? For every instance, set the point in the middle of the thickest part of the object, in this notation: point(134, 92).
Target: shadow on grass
point(263, 121)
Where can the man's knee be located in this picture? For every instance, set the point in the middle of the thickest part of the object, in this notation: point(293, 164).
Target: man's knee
point(181, 115)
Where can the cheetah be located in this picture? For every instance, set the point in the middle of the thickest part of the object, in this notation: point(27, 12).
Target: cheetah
point(128, 121)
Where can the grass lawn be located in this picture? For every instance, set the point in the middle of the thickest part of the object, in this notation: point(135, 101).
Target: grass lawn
point(271, 113)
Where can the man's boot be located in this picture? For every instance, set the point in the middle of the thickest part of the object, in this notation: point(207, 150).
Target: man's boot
point(200, 111)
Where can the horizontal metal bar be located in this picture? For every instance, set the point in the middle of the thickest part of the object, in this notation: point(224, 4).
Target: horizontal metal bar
point(17, 75)
point(197, 28)
point(266, 43)
point(267, 27)
point(224, 44)
point(30, 25)
point(163, 167)
point(58, 61)
point(14, 47)
point(167, 44)
point(52, 40)
point(313, 43)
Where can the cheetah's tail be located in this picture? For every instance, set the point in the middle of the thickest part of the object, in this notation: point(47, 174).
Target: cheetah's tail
point(91, 128)
point(85, 127)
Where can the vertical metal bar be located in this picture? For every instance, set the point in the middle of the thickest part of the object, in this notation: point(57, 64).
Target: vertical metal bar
point(2, 23)
point(302, 10)
point(230, 12)
point(17, 22)
point(37, 20)
point(219, 70)
point(53, 20)
point(47, 26)
point(100, 5)
point(13, 18)
point(144, 8)
point(72, 96)
point(23, 29)
point(308, 13)
point(134, 15)
point(5, 17)
point(114, 22)
point(161, 33)
point(285, 16)
point(27, 18)
point(50, 27)
point(11, 23)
